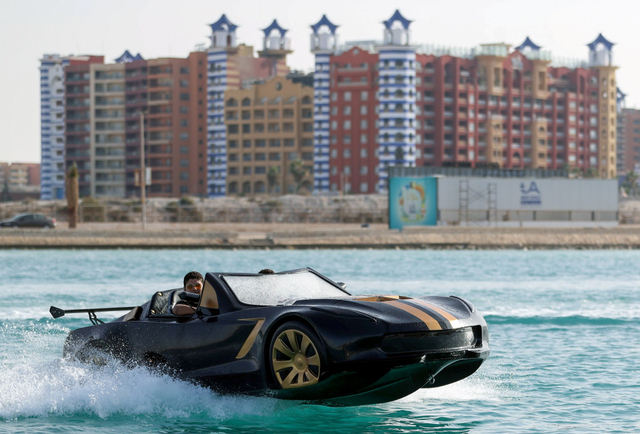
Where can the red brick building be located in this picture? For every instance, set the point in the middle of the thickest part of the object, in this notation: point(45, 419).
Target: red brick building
point(628, 140)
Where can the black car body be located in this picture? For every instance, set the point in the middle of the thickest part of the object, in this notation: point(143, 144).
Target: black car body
point(297, 335)
point(28, 220)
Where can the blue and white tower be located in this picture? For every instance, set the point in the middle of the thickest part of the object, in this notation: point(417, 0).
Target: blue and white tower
point(600, 52)
point(223, 45)
point(52, 126)
point(324, 42)
point(397, 99)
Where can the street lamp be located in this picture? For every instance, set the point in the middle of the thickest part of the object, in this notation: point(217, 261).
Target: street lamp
point(143, 180)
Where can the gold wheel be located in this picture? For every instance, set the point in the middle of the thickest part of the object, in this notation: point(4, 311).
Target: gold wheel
point(295, 359)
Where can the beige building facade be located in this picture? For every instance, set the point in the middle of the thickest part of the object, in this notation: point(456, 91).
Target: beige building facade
point(269, 126)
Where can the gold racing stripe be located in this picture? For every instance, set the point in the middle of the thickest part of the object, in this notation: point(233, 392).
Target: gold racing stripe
point(251, 338)
point(455, 323)
point(431, 322)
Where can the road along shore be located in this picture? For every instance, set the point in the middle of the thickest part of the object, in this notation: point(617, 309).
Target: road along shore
point(312, 236)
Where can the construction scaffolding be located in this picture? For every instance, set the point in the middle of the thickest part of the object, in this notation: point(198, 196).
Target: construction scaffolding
point(477, 208)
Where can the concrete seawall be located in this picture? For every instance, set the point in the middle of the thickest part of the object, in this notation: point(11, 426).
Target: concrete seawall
point(311, 236)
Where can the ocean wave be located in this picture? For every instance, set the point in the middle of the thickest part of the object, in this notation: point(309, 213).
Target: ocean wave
point(69, 388)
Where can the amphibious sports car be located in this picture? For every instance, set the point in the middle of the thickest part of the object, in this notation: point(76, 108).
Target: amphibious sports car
point(294, 335)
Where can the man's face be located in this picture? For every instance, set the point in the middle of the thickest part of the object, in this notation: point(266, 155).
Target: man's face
point(193, 286)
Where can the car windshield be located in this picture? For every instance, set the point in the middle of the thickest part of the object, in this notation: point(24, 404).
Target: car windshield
point(276, 289)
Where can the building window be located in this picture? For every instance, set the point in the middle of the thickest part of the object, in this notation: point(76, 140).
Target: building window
point(363, 153)
point(184, 162)
point(184, 136)
point(347, 153)
point(347, 125)
point(347, 96)
point(347, 110)
point(364, 95)
point(364, 187)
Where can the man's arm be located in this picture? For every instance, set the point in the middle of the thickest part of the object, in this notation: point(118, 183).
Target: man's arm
point(183, 309)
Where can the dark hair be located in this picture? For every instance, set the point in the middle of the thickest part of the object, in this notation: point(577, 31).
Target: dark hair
point(192, 275)
point(266, 271)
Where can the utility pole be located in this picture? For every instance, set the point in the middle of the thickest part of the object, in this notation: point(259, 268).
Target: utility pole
point(143, 181)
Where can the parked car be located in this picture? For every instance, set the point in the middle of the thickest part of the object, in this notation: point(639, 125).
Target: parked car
point(293, 335)
point(28, 220)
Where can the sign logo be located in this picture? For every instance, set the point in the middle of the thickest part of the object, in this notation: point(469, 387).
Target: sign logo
point(531, 195)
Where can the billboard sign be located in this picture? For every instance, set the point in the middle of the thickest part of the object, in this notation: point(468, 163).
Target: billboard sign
point(413, 202)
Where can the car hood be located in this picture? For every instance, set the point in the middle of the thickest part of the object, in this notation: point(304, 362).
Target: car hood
point(434, 312)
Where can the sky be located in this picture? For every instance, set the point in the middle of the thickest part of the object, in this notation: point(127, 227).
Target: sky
point(168, 28)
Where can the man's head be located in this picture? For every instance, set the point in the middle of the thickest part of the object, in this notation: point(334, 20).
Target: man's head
point(193, 282)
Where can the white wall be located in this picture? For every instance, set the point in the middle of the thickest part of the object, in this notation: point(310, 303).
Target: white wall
point(554, 194)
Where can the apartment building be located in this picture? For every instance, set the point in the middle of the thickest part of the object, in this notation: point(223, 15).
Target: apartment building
point(19, 181)
point(233, 66)
point(77, 117)
point(269, 126)
point(52, 125)
point(628, 146)
point(392, 103)
point(103, 118)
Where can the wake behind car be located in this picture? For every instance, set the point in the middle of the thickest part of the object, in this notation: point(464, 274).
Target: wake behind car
point(294, 335)
point(28, 220)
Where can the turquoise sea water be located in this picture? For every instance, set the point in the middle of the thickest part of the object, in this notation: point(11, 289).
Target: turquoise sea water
point(564, 325)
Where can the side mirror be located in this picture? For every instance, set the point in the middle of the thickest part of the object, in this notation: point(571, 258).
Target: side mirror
point(342, 285)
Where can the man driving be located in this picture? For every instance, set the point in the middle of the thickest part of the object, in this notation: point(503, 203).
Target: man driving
point(192, 286)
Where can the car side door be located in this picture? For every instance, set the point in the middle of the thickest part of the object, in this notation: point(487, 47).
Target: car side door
point(26, 221)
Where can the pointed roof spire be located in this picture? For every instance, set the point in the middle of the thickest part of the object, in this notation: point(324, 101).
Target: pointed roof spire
point(397, 16)
point(528, 43)
point(274, 26)
point(221, 23)
point(324, 21)
point(126, 57)
point(600, 40)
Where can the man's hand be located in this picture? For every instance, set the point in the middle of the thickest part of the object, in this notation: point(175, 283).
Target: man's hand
point(183, 309)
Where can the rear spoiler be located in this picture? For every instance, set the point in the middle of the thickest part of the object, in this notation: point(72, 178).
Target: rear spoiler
point(56, 312)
